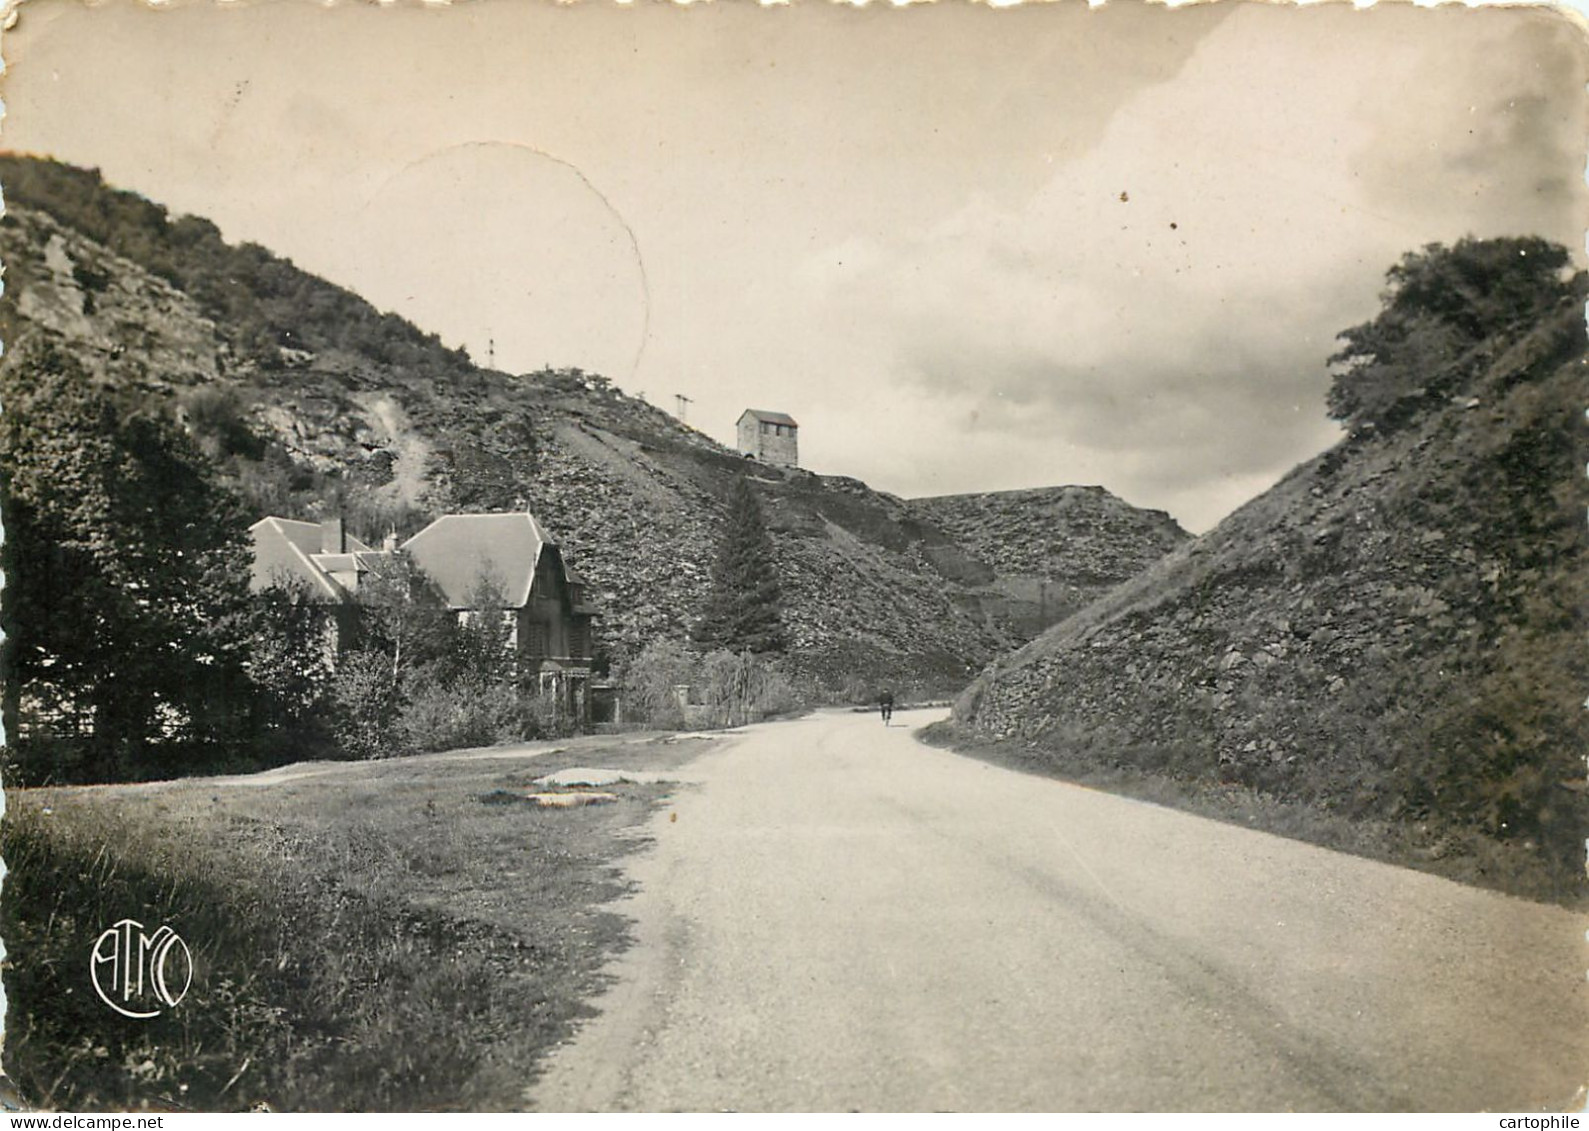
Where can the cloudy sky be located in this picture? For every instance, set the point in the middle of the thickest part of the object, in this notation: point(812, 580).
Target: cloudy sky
point(967, 248)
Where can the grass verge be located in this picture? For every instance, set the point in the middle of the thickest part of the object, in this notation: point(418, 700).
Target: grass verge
point(365, 937)
point(1456, 854)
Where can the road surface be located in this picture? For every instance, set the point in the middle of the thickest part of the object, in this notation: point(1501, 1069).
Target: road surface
point(836, 917)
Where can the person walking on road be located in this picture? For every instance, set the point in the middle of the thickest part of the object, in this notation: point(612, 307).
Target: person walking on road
point(885, 706)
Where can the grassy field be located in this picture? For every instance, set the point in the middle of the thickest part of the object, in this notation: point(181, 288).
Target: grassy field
point(1468, 858)
point(404, 934)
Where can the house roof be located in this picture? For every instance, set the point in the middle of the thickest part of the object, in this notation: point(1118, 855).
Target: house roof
point(287, 548)
point(766, 417)
point(336, 563)
point(460, 551)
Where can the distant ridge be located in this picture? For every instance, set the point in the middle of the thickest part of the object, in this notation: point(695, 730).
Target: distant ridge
point(1052, 550)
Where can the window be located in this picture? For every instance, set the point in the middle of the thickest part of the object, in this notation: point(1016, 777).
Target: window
point(535, 639)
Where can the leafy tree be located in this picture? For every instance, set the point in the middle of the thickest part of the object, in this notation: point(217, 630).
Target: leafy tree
point(742, 688)
point(743, 611)
point(400, 625)
point(403, 615)
point(417, 678)
point(127, 569)
point(1441, 304)
point(482, 649)
point(368, 702)
point(726, 688)
point(291, 660)
point(650, 680)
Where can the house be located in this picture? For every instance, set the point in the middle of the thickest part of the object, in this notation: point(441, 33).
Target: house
point(482, 564)
point(321, 559)
point(322, 556)
point(772, 437)
point(504, 563)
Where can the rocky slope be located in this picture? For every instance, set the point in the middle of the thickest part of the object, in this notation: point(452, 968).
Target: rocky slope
point(1051, 550)
point(313, 402)
point(1395, 630)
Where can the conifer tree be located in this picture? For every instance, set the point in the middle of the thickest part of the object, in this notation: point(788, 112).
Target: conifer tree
point(743, 612)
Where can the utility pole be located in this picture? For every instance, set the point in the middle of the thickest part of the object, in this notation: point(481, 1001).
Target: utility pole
point(684, 407)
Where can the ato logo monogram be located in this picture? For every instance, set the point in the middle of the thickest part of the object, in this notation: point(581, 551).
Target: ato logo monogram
point(140, 975)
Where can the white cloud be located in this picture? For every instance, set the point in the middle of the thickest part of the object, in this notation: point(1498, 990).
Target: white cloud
point(1162, 309)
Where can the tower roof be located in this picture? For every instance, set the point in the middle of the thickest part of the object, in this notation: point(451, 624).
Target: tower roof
point(766, 417)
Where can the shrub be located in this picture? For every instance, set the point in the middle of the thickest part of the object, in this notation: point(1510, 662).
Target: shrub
point(367, 700)
point(216, 419)
point(650, 683)
point(667, 686)
point(466, 712)
point(739, 689)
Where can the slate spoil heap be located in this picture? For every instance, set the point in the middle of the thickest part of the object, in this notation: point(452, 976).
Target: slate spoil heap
point(1394, 631)
point(1052, 550)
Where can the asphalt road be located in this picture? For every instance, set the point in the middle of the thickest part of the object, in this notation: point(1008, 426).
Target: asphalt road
point(836, 917)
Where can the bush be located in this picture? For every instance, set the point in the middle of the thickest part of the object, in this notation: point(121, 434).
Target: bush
point(365, 692)
point(650, 683)
point(667, 686)
point(739, 689)
point(217, 420)
point(856, 691)
point(466, 712)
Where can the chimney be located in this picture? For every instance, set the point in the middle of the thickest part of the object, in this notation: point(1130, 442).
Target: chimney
point(389, 543)
point(333, 540)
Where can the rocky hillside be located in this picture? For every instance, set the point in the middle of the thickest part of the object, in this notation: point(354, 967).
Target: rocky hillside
point(313, 402)
point(1051, 550)
point(1395, 631)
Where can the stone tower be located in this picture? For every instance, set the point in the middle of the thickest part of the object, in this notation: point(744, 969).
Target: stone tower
point(772, 437)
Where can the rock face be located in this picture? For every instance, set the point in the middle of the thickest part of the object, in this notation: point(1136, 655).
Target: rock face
point(1052, 550)
point(1395, 630)
point(313, 403)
